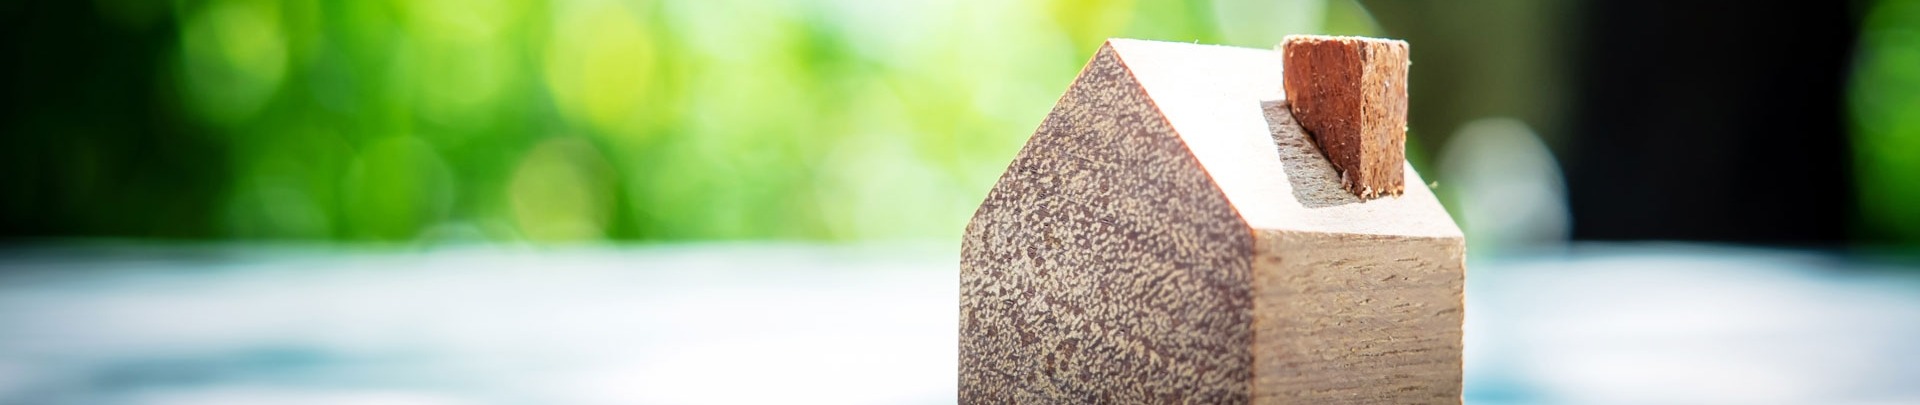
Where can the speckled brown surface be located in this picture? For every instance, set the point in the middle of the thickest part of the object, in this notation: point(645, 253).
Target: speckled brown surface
point(1170, 235)
point(1104, 267)
point(1351, 94)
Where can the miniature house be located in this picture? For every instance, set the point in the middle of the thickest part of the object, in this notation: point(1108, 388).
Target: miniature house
point(1170, 234)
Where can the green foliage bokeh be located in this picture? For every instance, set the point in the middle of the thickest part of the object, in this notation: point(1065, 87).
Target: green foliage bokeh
point(580, 120)
point(586, 120)
point(1885, 104)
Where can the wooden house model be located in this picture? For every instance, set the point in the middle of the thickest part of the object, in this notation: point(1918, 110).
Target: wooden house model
point(1172, 234)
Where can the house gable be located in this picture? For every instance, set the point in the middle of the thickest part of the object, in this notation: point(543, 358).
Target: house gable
point(1105, 266)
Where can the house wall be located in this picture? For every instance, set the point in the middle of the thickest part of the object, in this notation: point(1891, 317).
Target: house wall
point(1352, 318)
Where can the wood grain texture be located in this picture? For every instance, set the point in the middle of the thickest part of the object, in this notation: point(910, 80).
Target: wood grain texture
point(1170, 234)
point(1366, 319)
point(1339, 317)
point(1351, 94)
point(1104, 267)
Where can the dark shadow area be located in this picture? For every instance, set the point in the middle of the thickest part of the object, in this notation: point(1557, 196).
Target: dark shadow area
point(1700, 121)
point(1694, 121)
point(91, 144)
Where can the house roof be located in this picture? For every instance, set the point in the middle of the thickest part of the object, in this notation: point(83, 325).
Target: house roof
point(1227, 105)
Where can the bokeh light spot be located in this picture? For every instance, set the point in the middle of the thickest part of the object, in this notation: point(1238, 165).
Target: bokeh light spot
point(234, 55)
point(1885, 105)
point(1262, 23)
point(457, 84)
point(599, 63)
point(397, 187)
point(468, 20)
point(562, 191)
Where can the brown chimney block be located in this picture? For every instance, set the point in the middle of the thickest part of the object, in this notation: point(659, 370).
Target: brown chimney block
point(1350, 93)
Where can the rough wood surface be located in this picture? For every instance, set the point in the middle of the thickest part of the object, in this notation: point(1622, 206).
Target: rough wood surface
point(1340, 317)
point(1345, 318)
point(1104, 267)
point(1351, 94)
point(1170, 235)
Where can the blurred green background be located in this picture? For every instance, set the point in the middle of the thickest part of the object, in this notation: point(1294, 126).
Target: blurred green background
point(654, 120)
point(559, 120)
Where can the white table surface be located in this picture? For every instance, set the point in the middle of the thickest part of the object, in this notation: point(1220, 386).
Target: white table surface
point(113, 323)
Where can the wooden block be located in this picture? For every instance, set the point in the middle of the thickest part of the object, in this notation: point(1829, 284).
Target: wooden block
point(1170, 235)
point(1351, 94)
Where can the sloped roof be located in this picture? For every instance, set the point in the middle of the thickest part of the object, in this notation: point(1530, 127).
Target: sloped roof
point(1226, 104)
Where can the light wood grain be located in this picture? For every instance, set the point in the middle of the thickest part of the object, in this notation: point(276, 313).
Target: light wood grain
point(1345, 318)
